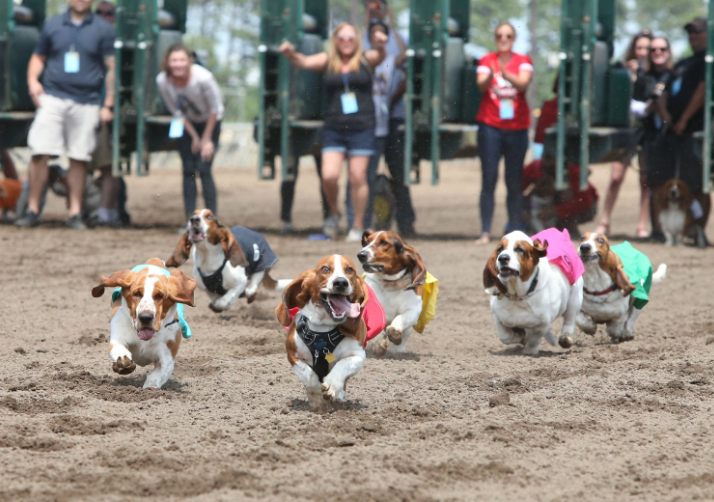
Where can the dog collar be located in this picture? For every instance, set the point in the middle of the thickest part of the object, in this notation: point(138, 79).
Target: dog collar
point(600, 293)
point(534, 283)
point(396, 277)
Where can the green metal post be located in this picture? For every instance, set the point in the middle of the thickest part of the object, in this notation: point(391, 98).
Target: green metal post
point(292, 26)
point(560, 145)
point(440, 19)
point(709, 61)
point(588, 23)
point(409, 119)
point(139, 76)
point(262, 51)
point(116, 123)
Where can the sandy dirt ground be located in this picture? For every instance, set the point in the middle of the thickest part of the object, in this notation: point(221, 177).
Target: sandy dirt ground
point(461, 417)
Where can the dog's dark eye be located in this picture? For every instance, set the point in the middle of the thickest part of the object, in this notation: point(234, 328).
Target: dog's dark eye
point(209, 217)
point(601, 240)
point(349, 270)
point(519, 249)
point(158, 297)
point(582, 239)
point(325, 269)
point(138, 294)
point(383, 243)
point(500, 249)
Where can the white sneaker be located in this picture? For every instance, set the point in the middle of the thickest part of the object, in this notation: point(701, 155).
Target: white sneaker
point(330, 226)
point(354, 235)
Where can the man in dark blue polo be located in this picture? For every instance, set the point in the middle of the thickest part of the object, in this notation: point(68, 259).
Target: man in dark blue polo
point(76, 53)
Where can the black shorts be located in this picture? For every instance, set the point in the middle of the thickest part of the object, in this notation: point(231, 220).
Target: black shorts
point(674, 157)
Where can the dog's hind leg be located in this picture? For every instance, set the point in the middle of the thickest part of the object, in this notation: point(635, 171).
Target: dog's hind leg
point(628, 332)
point(586, 324)
point(575, 302)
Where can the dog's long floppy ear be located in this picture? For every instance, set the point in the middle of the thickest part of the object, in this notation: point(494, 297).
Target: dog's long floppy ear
point(296, 294)
point(416, 264)
point(540, 249)
point(181, 252)
point(231, 248)
point(622, 281)
point(366, 237)
point(181, 288)
point(361, 293)
point(116, 280)
point(490, 274)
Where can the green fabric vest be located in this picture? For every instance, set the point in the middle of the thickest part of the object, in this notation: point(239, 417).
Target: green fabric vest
point(639, 271)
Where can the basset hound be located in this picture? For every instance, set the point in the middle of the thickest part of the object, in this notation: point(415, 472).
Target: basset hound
point(325, 343)
point(528, 293)
point(228, 263)
point(617, 280)
point(147, 318)
point(396, 273)
point(673, 205)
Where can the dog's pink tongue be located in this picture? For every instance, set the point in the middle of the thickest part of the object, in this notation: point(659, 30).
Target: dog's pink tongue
point(341, 304)
point(146, 334)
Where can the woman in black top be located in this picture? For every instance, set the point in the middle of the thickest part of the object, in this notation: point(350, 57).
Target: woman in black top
point(349, 119)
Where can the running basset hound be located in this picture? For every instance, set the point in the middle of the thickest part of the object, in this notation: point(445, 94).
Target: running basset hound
point(611, 296)
point(528, 293)
point(147, 318)
point(396, 273)
point(227, 262)
point(325, 343)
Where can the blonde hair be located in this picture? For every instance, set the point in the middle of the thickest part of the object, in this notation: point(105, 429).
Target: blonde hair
point(334, 60)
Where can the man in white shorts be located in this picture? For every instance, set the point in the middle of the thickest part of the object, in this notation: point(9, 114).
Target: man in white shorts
point(76, 52)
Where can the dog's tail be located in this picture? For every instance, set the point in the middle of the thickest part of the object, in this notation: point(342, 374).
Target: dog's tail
point(270, 283)
point(660, 274)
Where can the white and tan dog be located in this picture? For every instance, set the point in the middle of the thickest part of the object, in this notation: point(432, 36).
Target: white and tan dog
point(396, 274)
point(146, 325)
point(673, 205)
point(607, 290)
point(529, 293)
point(220, 265)
point(325, 342)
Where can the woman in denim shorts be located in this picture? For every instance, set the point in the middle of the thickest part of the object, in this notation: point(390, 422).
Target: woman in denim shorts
point(349, 119)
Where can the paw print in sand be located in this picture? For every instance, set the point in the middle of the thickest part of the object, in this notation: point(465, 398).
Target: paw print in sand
point(124, 366)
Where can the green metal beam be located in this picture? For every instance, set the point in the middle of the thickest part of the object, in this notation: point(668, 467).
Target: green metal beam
point(562, 98)
point(588, 30)
point(709, 61)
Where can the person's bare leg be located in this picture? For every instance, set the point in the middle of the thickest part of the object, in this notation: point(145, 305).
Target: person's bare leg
point(359, 188)
point(39, 172)
point(331, 167)
point(617, 176)
point(76, 179)
point(644, 208)
point(110, 188)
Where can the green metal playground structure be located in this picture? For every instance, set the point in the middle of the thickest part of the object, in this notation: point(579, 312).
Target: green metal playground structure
point(143, 32)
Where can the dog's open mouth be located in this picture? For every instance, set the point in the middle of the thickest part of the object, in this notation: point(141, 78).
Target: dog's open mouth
point(372, 267)
point(339, 307)
point(589, 257)
point(145, 334)
point(507, 272)
point(196, 235)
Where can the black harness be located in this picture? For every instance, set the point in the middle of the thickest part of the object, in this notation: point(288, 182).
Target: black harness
point(319, 345)
point(214, 282)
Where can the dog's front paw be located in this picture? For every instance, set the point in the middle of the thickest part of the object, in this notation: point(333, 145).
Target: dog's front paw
point(215, 308)
point(251, 297)
point(565, 341)
point(328, 392)
point(151, 384)
point(124, 366)
point(380, 348)
point(394, 335)
point(586, 325)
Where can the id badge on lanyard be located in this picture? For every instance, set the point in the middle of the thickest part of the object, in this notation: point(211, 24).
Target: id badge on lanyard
point(507, 110)
point(676, 86)
point(349, 99)
point(176, 128)
point(71, 60)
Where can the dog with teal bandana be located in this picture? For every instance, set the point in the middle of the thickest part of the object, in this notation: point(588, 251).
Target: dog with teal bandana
point(617, 283)
point(147, 318)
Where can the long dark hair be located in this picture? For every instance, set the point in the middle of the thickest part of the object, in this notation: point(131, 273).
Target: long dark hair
point(630, 53)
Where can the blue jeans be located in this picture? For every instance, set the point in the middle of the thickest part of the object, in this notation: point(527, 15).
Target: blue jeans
point(372, 168)
point(193, 164)
point(492, 144)
point(394, 156)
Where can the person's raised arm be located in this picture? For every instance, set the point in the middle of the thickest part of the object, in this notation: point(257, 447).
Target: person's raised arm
point(401, 59)
point(484, 77)
point(377, 53)
point(315, 62)
point(34, 70)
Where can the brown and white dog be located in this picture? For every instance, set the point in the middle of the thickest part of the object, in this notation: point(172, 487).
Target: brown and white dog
point(673, 204)
point(218, 257)
point(145, 324)
point(528, 293)
point(607, 289)
point(325, 343)
point(396, 273)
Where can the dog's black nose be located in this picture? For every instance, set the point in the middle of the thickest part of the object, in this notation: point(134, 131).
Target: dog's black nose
point(504, 258)
point(340, 284)
point(195, 220)
point(146, 318)
point(585, 248)
point(362, 256)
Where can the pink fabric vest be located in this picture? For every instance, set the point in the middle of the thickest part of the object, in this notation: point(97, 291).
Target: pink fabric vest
point(372, 313)
point(562, 252)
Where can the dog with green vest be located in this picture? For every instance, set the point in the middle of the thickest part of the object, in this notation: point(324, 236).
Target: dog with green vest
point(617, 283)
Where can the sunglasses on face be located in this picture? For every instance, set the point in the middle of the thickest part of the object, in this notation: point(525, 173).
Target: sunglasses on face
point(344, 38)
point(507, 36)
point(105, 13)
point(658, 49)
point(696, 29)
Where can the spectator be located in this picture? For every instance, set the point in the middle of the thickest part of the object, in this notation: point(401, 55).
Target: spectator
point(658, 67)
point(384, 75)
point(191, 94)
point(682, 114)
point(635, 59)
point(349, 120)
point(548, 207)
point(74, 68)
point(503, 117)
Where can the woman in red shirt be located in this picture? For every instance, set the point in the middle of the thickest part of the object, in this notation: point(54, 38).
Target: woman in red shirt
point(503, 78)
